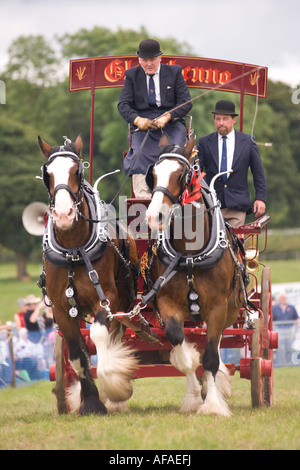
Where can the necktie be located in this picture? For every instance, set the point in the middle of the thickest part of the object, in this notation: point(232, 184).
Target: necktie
point(151, 95)
point(224, 158)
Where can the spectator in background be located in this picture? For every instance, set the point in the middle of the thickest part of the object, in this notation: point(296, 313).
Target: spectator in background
point(285, 318)
point(5, 360)
point(50, 334)
point(282, 311)
point(6, 327)
point(25, 353)
point(48, 319)
point(34, 323)
point(19, 317)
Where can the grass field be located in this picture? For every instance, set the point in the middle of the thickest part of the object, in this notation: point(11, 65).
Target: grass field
point(28, 420)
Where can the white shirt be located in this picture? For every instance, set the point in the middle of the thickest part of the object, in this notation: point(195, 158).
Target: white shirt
point(156, 84)
point(230, 142)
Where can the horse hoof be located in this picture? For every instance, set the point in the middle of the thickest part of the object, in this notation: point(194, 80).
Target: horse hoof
point(116, 388)
point(92, 406)
point(214, 409)
point(117, 407)
point(191, 403)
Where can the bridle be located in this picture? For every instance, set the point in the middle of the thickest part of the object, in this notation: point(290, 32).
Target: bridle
point(78, 197)
point(185, 178)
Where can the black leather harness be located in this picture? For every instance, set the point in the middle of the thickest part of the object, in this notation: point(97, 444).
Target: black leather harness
point(211, 254)
point(93, 249)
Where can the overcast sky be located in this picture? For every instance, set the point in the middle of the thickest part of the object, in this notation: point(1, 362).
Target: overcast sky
point(259, 32)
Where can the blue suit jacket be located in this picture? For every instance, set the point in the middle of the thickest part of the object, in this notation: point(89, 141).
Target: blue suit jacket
point(234, 194)
point(133, 99)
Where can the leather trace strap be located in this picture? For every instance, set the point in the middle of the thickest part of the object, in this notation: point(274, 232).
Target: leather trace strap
point(168, 274)
point(93, 275)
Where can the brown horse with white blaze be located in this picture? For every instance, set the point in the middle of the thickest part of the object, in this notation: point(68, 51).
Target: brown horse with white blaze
point(93, 270)
point(214, 282)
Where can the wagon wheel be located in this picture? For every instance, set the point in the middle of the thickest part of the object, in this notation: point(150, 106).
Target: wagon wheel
point(262, 387)
point(267, 353)
point(255, 371)
point(59, 389)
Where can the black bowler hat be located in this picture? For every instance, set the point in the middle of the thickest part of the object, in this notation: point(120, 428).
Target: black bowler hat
point(225, 107)
point(149, 48)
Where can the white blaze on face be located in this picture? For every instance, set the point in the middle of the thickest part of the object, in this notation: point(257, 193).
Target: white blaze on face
point(157, 210)
point(63, 212)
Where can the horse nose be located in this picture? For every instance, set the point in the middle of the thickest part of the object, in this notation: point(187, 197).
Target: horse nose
point(63, 218)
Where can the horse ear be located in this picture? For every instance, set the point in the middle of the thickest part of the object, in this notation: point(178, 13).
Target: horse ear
point(79, 145)
point(46, 149)
point(164, 140)
point(190, 146)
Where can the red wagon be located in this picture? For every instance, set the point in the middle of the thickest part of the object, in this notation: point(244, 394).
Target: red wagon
point(252, 333)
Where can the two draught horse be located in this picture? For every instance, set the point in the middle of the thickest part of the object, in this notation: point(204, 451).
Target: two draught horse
point(207, 278)
point(88, 271)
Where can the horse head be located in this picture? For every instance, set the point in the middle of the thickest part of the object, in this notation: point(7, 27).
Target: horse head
point(166, 179)
point(63, 177)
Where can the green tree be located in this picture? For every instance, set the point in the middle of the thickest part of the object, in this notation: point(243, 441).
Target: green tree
point(20, 160)
point(280, 100)
point(32, 59)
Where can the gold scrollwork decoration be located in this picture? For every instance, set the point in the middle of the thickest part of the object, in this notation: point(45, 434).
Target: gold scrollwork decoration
point(144, 262)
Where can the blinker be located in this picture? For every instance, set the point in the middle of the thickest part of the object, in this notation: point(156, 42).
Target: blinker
point(149, 177)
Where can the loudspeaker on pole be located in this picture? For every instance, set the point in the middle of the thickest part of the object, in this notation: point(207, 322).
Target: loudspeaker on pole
point(33, 218)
